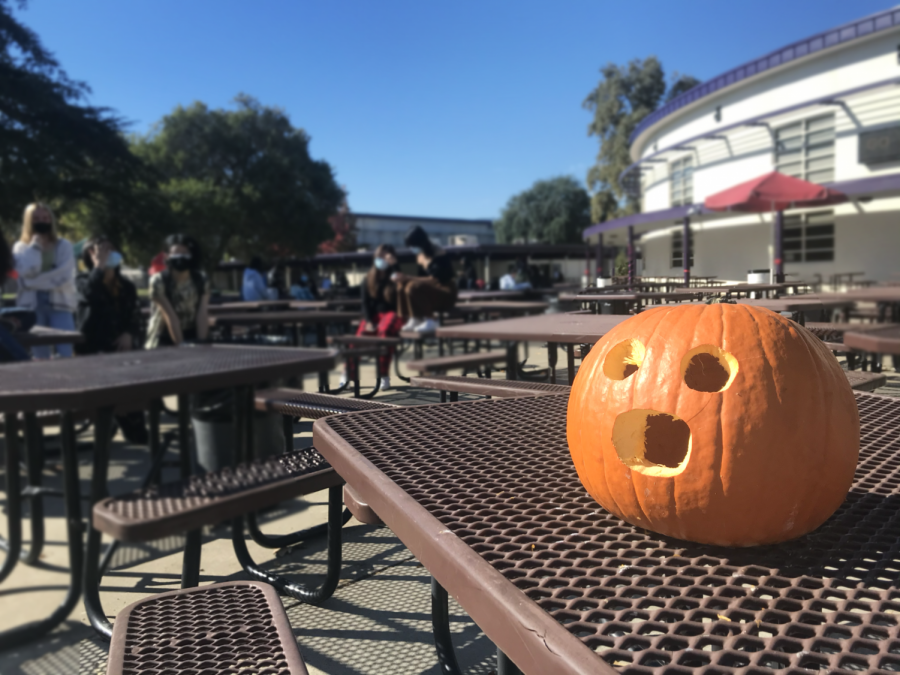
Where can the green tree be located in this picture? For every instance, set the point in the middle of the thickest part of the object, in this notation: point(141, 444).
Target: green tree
point(551, 211)
point(625, 95)
point(52, 146)
point(242, 181)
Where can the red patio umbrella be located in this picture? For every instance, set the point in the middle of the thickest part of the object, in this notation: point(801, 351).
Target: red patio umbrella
point(774, 192)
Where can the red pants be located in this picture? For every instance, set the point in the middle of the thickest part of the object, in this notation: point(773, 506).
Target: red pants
point(387, 324)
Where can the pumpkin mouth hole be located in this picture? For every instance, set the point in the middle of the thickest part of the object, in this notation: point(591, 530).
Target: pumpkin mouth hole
point(652, 442)
point(709, 369)
point(624, 359)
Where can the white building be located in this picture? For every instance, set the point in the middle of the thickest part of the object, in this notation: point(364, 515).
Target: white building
point(826, 109)
point(374, 229)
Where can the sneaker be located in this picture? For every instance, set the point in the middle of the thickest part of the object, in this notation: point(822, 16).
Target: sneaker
point(411, 324)
point(385, 383)
point(427, 326)
point(344, 379)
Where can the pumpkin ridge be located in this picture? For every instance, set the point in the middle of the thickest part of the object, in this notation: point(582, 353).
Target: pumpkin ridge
point(720, 429)
point(823, 431)
point(831, 392)
point(645, 515)
point(585, 401)
point(682, 511)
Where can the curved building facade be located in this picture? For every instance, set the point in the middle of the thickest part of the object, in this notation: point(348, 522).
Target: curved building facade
point(825, 109)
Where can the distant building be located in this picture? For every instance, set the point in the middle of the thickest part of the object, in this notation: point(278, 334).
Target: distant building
point(826, 109)
point(373, 229)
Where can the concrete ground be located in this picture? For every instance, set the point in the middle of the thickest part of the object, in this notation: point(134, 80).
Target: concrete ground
point(378, 621)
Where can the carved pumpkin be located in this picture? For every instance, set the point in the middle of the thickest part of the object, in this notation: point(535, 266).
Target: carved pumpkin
point(722, 424)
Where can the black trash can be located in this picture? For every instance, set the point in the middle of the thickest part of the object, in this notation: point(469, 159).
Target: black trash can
point(212, 417)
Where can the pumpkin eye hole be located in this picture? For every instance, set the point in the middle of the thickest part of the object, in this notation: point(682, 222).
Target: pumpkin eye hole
point(708, 368)
point(624, 359)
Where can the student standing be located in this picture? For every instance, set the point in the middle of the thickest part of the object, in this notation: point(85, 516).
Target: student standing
point(46, 268)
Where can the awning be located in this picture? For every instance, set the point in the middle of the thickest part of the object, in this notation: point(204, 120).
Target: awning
point(874, 187)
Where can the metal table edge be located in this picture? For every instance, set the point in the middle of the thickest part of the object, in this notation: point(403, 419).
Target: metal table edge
point(540, 641)
point(123, 395)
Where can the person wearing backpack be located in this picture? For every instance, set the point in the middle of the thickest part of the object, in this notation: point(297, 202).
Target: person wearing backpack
point(179, 296)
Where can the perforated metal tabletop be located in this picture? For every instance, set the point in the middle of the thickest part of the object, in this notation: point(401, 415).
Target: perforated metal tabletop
point(486, 496)
point(879, 341)
point(124, 378)
point(287, 317)
point(563, 328)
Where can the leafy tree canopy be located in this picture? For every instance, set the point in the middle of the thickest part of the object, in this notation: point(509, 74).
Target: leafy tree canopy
point(52, 146)
point(625, 95)
point(551, 211)
point(242, 181)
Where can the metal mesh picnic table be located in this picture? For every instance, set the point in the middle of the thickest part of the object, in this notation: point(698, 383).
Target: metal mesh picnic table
point(486, 496)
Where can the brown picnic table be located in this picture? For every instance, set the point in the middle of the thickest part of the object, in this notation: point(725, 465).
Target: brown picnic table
point(291, 319)
point(467, 296)
point(490, 504)
point(876, 342)
point(44, 336)
point(621, 302)
point(888, 297)
point(833, 331)
point(567, 329)
point(501, 307)
point(99, 384)
point(248, 306)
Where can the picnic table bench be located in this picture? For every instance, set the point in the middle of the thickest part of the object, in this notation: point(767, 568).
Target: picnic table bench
point(206, 630)
point(455, 385)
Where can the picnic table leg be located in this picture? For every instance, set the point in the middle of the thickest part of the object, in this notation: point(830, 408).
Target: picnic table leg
point(505, 666)
point(13, 497)
point(322, 341)
point(34, 454)
point(297, 591)
point(440, 622)
point(92, 604)
point(570, 362)
point(190, 563)
point(512, 360)
point(72, 504)
point(552, 360)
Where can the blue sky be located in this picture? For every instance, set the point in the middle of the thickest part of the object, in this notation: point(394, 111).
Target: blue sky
point(429, 107)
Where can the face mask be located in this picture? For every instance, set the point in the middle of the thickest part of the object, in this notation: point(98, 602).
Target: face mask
point(179, 263)
point(114, 259)
point(42, 228)
point(381, 264)
point(415, 250)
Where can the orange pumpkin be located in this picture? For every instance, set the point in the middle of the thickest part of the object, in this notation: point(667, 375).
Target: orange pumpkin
point(722, 424)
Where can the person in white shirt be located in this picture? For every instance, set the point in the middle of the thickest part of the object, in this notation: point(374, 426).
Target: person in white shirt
point(45, 264)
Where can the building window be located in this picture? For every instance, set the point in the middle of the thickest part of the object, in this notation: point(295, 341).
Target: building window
point(681, 173)
point(806, 149)
point(677, 252)
point(809, 238)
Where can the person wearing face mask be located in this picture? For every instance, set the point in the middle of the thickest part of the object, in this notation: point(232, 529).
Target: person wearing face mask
point(379, 305)
point(45, 264)
point(434, 290)
point(180, 296)
point(254, 284)
point(108, 316)
point(304, 288)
